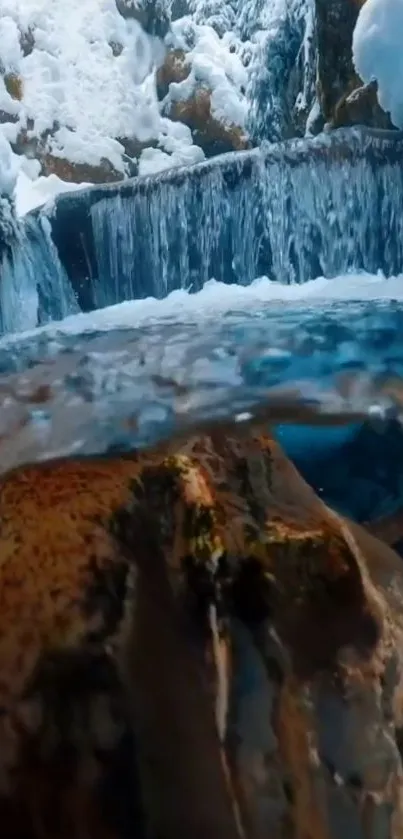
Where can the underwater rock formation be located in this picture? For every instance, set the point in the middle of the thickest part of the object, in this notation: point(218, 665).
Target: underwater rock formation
point(197, 613)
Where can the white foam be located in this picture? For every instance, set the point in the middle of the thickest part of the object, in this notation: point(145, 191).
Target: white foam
point(217, 299)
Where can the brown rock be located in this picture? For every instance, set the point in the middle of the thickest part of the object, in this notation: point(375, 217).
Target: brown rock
point(198, 576)
point(343, 99)
point(27, 143)
point(361, 107)
point(14, 85)
point(37, 147)
point(335, 22)
point(212, 135)
point(79, 172)
point(175, 68)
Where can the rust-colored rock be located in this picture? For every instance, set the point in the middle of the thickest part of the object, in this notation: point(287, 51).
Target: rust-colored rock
point(210, 133)
point(79, 172)
point(31, 146)
point(343, 98)
point(14, 85)
point(175, 68)
point(361, 107)
point(154, 593)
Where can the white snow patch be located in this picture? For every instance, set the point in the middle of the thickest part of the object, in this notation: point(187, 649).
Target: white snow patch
point(8, 168)
point(157, 160)
point(31, 193)
point(378, 52)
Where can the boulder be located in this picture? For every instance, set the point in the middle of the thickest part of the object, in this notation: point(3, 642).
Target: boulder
point(213, 135)
point(361, 107)
point(14, 85)
point(32, 146)
point(198, 612)
point(175, 68)
point(343, 98)
point(79, 173)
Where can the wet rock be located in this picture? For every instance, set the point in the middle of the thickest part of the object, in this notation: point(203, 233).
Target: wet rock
point(361, 107)
point(335, 22)
point(272, 708)
point(305, 79)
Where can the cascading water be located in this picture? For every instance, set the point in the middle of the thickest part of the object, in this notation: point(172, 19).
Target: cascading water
point(34, 287)
point(292, 212)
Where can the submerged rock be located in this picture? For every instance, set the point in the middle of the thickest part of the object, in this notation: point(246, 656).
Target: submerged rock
point(256, 634)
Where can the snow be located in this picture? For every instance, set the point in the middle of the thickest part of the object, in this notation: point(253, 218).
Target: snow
point(88, 81)
point(378, 52)
point(216, 64)
point(73, 80)
point(156, 160)
point(8, 169)
point(84, 97)
point(31, 193)
point(216, 299)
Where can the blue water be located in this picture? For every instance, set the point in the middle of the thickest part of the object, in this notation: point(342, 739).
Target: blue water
point(131, 375)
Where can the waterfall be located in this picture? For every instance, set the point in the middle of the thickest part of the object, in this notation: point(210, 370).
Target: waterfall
point(291, 211)
point(34, 286)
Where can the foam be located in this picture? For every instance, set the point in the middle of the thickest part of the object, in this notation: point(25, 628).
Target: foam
point(217, 299)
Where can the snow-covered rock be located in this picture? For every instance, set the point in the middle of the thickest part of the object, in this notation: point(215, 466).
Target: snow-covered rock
point(204, 81)
point(378, 52)
point(130, 85)
point(80, 98)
